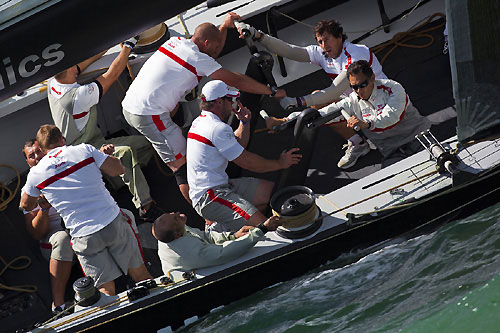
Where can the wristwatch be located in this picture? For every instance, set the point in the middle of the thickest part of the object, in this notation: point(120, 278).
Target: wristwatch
point(274, 90)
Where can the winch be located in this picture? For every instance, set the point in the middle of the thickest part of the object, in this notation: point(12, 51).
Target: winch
point(86, 293)
point(151, 39)
point(296, 206)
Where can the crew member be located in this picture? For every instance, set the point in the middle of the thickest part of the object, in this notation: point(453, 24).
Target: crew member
point(70, 179)
point(171, 72)
point(334, 53)
point(183, 248)
point(74, 111)
point(211, 143)
point(383, 111)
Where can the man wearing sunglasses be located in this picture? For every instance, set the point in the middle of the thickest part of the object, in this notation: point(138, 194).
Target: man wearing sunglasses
point(383, 111)
point(211, 144)
point(334, 53)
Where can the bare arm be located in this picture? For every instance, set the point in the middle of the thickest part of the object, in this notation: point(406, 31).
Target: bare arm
point(117, 66)
point(37, 223)
point(244, 83)
point(227, 24)
point(112, 166)
point(257, 163)
point(242, 133)
point(28, 202)
point(86, 63)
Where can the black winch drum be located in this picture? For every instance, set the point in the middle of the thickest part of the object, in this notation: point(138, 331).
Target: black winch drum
point(296, 206)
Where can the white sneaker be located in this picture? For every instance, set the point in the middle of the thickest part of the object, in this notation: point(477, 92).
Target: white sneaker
point(352, 153)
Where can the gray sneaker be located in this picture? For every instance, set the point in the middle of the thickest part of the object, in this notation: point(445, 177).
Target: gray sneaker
point(352, 153)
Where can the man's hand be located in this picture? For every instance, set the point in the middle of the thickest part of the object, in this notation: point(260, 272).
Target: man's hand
point(272, 121)
point(289, 158)
point(292, 102)
point(229, 20)
point(247, 28)
point(131, 42)
point(273, 223)
point(243, 231)
point(107, 149)
point(43, 203)
point(243, 114)
point(281, 93)
point(352, 122)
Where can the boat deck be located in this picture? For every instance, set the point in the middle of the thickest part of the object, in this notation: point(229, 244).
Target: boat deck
point(424, 72)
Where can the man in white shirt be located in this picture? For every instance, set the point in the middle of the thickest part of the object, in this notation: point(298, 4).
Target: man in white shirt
point(74, 111)
point(230, 203)
point(167, 76)
point(383, 111)
point(70, 179)
point(334, 53)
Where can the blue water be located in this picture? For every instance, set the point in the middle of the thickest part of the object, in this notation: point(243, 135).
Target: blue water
point(447, 281)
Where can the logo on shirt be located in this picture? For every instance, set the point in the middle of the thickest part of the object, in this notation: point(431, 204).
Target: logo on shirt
point(90, 89)
point(58, 165)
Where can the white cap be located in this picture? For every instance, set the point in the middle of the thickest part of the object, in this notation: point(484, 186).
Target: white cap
point(217, 89)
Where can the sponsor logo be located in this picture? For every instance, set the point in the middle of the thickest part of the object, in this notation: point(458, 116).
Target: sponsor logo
point(28, 66)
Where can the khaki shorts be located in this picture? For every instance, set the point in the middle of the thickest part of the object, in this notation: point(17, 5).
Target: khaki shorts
point(110, 252)
point(228, 206)
point(57, 246)
point(165, 136)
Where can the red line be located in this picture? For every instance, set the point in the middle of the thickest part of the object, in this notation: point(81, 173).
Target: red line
point(332, 76)
point(178, 156)
point(129, 221)
point(159, 124)
point(180, 61)
point(200, 139)
point(65, 173)
point(80, 115)
point(46, 246)
point(228, 204)
point(371, 58)
point(400, 118)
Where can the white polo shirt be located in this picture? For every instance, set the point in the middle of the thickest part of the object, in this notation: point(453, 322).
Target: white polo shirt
point(350, 53)
point(70, 179)
point(86, 96)
point(168, 75)
point(211, 144)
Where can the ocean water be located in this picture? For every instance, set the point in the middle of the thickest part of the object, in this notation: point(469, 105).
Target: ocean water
point(447, 281)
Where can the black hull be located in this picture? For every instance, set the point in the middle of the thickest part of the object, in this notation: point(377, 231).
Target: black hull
point(196, 298)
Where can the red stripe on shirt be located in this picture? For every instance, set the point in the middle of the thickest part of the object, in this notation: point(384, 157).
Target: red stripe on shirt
point(371, 58)
point(80, 115)
point(54, 90)
point(400, 118)
point(65, 173)
point(178, 156)
point(200, 139)
point(180, 61)
point(228, 204)
point(349, 59)
point(159, 124)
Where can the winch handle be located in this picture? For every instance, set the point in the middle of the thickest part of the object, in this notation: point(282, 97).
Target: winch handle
point(248, 39)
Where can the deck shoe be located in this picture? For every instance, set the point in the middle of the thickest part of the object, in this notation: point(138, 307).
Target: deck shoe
point(352, 153)
point(152, 213)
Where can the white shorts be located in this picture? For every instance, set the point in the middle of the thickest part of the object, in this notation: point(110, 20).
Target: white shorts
point(230, 206)
point(165, 136)
point(110, 252)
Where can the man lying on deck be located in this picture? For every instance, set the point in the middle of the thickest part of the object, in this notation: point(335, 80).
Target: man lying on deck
point(181, 247)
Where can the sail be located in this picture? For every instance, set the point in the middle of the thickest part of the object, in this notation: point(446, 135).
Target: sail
point(474, 43)
point(51, 36)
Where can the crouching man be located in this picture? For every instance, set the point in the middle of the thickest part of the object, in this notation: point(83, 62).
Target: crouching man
point(70, 179)
point(184, 248)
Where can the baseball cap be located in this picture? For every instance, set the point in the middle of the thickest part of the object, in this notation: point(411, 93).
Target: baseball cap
point(217, 89)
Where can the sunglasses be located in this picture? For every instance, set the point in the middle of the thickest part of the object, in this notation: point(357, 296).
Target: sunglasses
point(363, 84)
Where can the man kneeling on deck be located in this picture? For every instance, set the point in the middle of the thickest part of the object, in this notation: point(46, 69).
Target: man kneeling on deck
point(70, 179)
point(184, 248)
